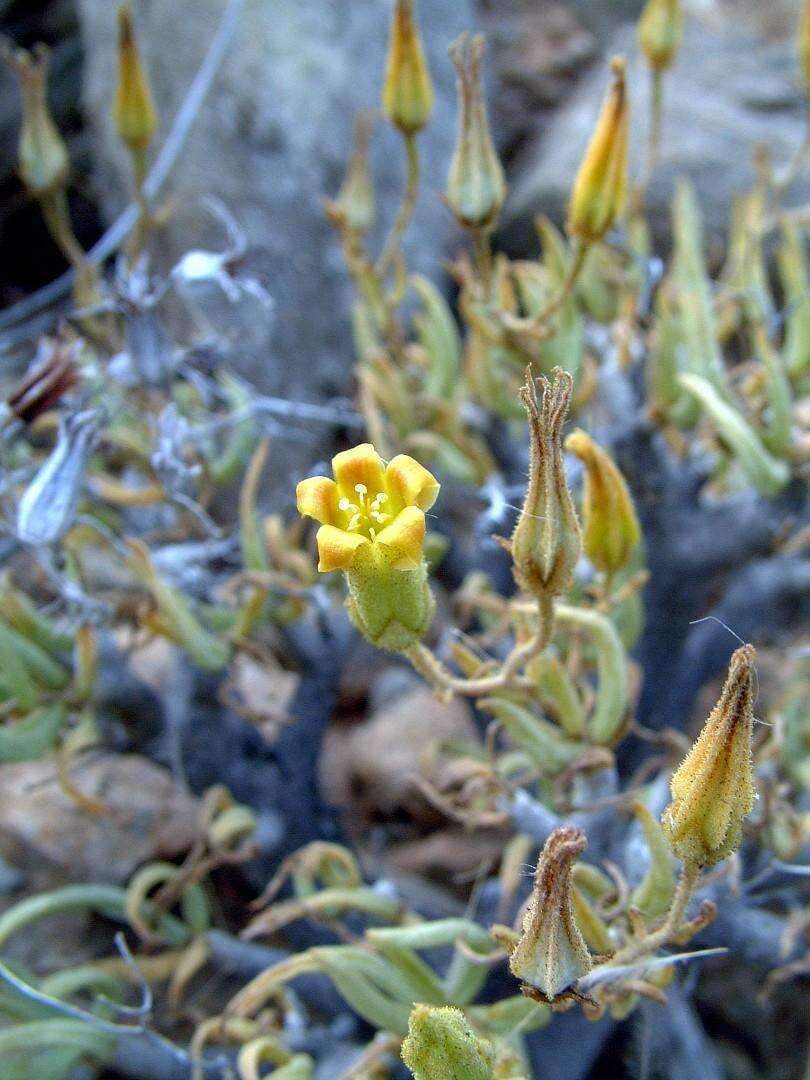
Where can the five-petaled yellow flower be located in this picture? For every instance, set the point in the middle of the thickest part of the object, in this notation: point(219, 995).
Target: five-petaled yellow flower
point(372, 519)
point(369, 503)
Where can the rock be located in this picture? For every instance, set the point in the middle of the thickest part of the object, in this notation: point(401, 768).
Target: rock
point(538, 50)
point(271, 141)
point(731, 87)
point(149, 818)
point(371, 766)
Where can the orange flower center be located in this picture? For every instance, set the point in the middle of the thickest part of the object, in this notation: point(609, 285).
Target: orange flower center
point(366, 515)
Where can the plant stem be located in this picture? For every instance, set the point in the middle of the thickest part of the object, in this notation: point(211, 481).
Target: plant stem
point(690, 872)
point(533, 323)
point(406, 210)
point(57, 218)
point(428, 665)
point(483, 258)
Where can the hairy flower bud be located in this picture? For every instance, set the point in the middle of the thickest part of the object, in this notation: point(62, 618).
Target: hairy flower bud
point(610, 528)
point(546, 543)
point(551, 953)
point(43, 161)
point(600, 188)
point(660, 30)
point(407, 96)
point(713, 789)
point(476, 187)
point(440, 1042)
point(133, 108)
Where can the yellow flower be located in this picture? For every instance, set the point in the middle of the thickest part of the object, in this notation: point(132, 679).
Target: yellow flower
point(369, 502)
point(372, 518)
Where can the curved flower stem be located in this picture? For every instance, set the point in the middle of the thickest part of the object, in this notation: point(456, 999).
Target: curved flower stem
point(658, 938)
point(405, 214)
point(533, 323)
point(434, 671)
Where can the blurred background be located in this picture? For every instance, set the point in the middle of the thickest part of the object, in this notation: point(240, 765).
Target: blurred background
point(270, 142)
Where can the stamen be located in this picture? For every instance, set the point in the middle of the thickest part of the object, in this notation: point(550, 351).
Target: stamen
point(344, 504)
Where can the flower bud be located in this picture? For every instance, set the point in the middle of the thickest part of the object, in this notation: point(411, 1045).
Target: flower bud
point(804, 47)
point(43, 161)
point(551, 953)
point(546, 543)
point(660, 30)
point(713, 789)
point(610, 528)
point(407, 96)
point(601, 185)
point(440, 1042)
point(476, 187)
point(133, 108)
point(353, 207)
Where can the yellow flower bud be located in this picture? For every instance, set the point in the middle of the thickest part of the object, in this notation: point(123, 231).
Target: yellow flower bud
point(610, 528)
point(407, 96)
point(476, 187)
point(660, 30)
point(551, 953)
point(440, 1042)
point(600, 188)
point(804, 47)
point(133, 108)
point(372, 519)
point(713, 789)
point(43, 161)
point(546, 543)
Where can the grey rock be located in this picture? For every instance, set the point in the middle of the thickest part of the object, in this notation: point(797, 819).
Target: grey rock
point(270, 142)
point(731, 87)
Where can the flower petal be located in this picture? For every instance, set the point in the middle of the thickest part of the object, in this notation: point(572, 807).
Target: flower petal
point(317, 497)
point(337, 548)
point(403, 539)
point(360, 465)
point(410, 484)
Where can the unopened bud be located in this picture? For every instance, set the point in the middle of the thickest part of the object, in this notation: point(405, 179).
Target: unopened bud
point(43, 157)
point(440, 1042)
point(600, 188)
point(407, 96)
point(660, 30)
point(610, 528)
point(713, 789)
point(476, 187)
point(353, 207)
point(133, 107)
point(546, 543)
point(551, 953)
